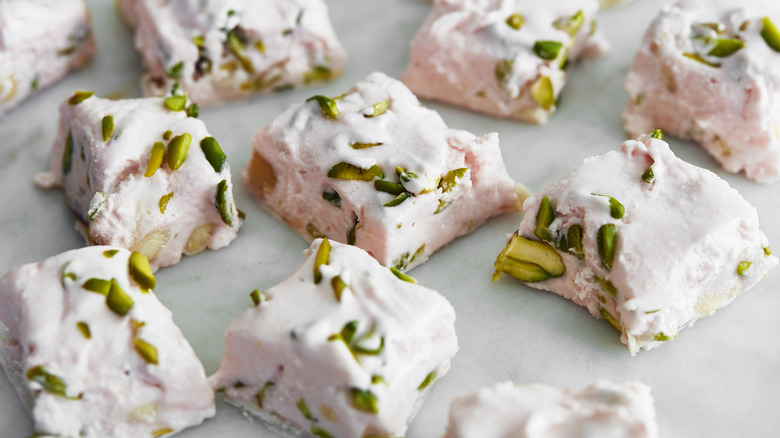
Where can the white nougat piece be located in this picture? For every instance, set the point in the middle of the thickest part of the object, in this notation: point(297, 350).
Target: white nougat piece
point(642, 239)
point(602, 409)
point(127, 183)
point(351, 355)
point(506, 58)
point(375, 168)
point(93, 353)
point(219, 51)
point(709, 71)
point(40, 42)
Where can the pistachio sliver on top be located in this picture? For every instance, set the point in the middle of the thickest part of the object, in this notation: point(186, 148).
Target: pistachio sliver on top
point(724, 47)
point(214, 154)
point(224, 203)
point(348, 171)
point(177, 150)
point(515, 21)
point(328, 106)
point(616, 209)
point(570, 25)
point(543, 93)
point(547, 50)
point(80, 96)
point(175, 103)
point(155, 159)
point(117, 300)
point(322, 258)
point(147, 351)
point(107, 127)
point(141, 271)
point(771, 34)
point(364, 400)
point(379, 109)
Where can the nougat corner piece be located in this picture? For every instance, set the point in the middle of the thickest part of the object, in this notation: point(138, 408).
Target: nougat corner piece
point(222, 51)
point(93, 353)
point(524, 411)
point(374, 168)
point(508, 59)
point(343, 347)
point(40, 42)
point(641, 239)
point(144, 175)
point(710, 72)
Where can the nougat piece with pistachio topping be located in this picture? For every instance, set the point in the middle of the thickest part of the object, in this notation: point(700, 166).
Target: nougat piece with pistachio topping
point(93, 353)
point(374, 168)
point(219, 51)
point(709, 71)
point(40, 42)
point(641, 239)
point(344, 347)
point(506, 58)
point(143, 174)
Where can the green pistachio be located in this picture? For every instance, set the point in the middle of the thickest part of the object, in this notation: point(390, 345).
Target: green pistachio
point(417, 254)
point(167, 135)
point(344, 170)
point(352, 233)
point(163, 204)
point(504, 70)
point(348, 332)
point(648, 175)
point(117, 300)
point(398, 199)
point(616, 209)
point(262, 393)
point(332, 196)
point(176, 70)
point(696, 57)
point(767, 251)
point(376, 379)
point(515, 21)
point(35, 82)
point(162, 432)
point(388, 187)
point(50, 383)
point(213, 153)
point(379, 109)
point(370, 351)
point(108, 127)
point(657, 133)
point(364, 400)
point(97, 285)
point(574, 236)
point(328, 106)
point(547, 50)
point(652, 311)
point(725, 47)
point(67, 154)
point(235, 40)
point(141, 271)
point(610, 319)
point(146, 350)
point(570, 25)
point(175, 103)
point(450, 180)
point(742, 267)
point(529, 260)
point(338, 286)
point(544, 218)
point(64, 274)
point(771, 34)
point(193, 110)
point(319, 432)
point(224, 203)
point(430, 378)
point(322, 258)
point(304, 409)
point(661, 337)
point(356, 145)
point(314, 232)
point(607, 286)
point(258, 297)
point(606, 240)
point(404, 175)
point(543, 93)
point(84, 329)
point(177, 150)
point(155, 159)
point(80, 96)
point(319, 73)
point(397, 272)
point(110, 253)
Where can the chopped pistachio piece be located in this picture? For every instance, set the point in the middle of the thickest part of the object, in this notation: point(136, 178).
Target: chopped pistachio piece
point(65, 274)
point(529, 260)
point(50, 383)
point(338, 286)
point(696, 57)
point(504, 69)
point(725, 47)
point(322, 258)
point(451, 178)
point(547, 50)
point(140, 271)
point(84, 329)
point(607, 244)
point(379, 109)
point(304, 408)
point(397, 272)
point(35, 82)
point(607, 286)
point(193, 110)
point(332, 196)
point(167, 135)
point(314, 232)
point(616, 209)
point(398, 199)
point(97, 285)
point(319, 432)
point(328, 106)
point(661, 337)
point(108, 127)
point(430, 378)
point(319, 73)
point(417, 254)
point(117, 300)
point(648, 175)
point(213, 153)
point(515, 21)
point(574, 237)
point(543, 93)
point(262, 393)
point(771, 34)
point(67, 154)
point(610, 319)
point(80, 96)
point(176, 70)
point(356, 145)
point(344, 170)
point(570, 25)
point(364, 400)
point(235, 40)
point(224, 203)
point(544, 217)
point(175, 103)
point(388, 187)
point(162, 432)
point(742, 267)
point(110, 253)
point(352, 233)
point(164, 200)
point(767, 251)
point(376, 379)
point(370, 351)
point(258, 297)
point(146, 350)
point(155, 159)
point(177, 150)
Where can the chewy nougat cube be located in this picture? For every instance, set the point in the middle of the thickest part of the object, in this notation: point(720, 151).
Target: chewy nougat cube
point(709, 71)
point(40, 42)
point(642, 239)
point(343, 347)
point(225, 50)
point(93, 353)
point(506, 58)
point(374, 168)
point(602, 409)
point(143, 175)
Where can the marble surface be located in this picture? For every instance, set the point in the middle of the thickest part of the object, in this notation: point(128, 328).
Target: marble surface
point(717, 379)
